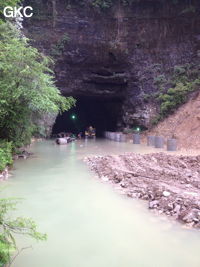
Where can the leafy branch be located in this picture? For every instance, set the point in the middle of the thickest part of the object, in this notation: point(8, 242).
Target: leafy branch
point(9, 228)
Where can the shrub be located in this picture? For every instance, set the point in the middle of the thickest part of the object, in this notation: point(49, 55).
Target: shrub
point(5, 154)
point(175, 97)
point(9, 228)
point(156, 120)
point(27, 87)
point(184, 80)
point(57, 49)
point(160, 79)
point(102, 3)
point(179, 70)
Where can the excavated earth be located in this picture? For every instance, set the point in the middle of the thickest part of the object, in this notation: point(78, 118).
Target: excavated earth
point(170, 183)
point(184, 125)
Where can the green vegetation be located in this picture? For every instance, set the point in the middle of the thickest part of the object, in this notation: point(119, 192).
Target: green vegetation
point(27, 91)
point(27, 88)
point(5, 154)
point(57, 49)
point(102, 3)
point(174, 92)
point(159, 80)
point(9, 228)
point(176, 96)
point(3, 4)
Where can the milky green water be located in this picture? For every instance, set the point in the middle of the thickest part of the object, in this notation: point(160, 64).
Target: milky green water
point(87, 222)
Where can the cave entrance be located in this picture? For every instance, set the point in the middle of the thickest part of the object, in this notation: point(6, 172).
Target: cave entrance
point(101, 113)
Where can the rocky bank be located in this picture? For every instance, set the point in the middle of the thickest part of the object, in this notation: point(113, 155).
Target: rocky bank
point(170, 184)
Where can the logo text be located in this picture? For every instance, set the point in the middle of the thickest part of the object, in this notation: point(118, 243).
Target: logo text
point(14, 12)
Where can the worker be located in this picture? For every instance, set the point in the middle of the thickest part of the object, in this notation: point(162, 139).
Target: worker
point(79, 135)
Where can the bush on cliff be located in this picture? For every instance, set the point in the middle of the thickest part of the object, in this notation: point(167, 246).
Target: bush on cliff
point(174, 97)
point(184, 80)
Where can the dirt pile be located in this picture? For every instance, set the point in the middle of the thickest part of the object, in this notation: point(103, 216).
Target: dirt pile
point(171, 184)
point(184, 125)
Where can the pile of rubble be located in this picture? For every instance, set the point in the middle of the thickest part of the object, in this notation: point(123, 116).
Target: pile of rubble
point(170, 184)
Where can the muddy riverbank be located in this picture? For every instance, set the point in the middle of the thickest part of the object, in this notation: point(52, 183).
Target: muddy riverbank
point(170, 183)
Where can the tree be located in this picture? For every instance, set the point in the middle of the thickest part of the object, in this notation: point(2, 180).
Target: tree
point(27, 86)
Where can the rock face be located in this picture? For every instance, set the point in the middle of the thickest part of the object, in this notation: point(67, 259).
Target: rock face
point(119, 52)
point(45, 124)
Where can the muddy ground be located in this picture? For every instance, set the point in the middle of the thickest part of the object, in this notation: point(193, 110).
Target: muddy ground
point(170, 184)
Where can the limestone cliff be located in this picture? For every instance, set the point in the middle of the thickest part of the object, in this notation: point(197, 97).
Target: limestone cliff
point(116, 52)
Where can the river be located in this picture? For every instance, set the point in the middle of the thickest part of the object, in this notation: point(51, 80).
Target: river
point(87, 222)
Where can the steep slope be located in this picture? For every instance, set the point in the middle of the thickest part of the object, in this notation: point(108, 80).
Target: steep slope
point(184, 125)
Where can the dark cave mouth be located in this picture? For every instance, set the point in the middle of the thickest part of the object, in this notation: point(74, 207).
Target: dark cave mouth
point(100, 112)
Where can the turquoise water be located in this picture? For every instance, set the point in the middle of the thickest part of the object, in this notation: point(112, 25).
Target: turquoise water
point(87, 222)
